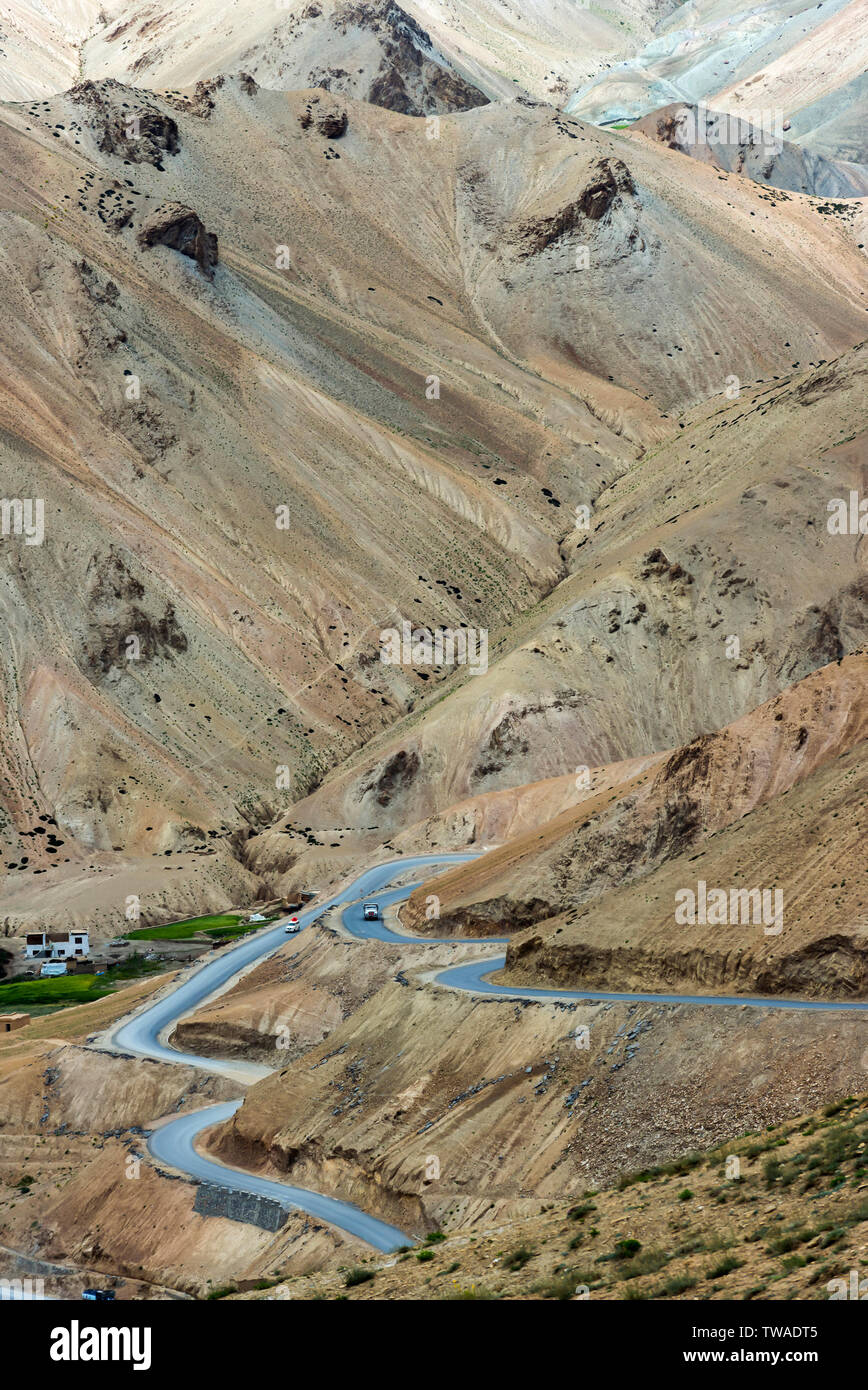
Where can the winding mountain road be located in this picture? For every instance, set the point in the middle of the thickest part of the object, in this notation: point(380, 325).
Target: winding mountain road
point(146, 1034)
point(472, 979)
point(175, 1144)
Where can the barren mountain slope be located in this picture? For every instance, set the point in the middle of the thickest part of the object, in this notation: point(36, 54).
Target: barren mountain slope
point(424, 51)
point(682, 1216)
point(546, 46)
point(373, 51)
point(510, 1108)
point(834, 125)
point(805, 60)
point(176, 414)
point(726, 142)
point(805, 851)
point(824, 69)
point(172, 647)
point(679, 619)
point(615, 834)
point(40, 44)
point(289, 855)
point(783, 57)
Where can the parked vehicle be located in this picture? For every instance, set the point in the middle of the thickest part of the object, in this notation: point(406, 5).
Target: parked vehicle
point(99, 1295)
point(371, 912)
point(53, 967)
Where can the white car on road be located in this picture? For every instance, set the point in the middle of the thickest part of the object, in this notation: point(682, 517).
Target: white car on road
point(293, 925)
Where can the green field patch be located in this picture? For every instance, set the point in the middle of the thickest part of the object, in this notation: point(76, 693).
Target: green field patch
point(58, 990)
point(224, 932)
point(182, 931)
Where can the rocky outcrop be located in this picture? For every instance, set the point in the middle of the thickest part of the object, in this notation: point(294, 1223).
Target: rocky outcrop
point(143, 138)
point(496, 917)
point(138, 134)
point(758, 153)
point(609, 187)
point(395, 776)
point(413, 78)
point(332, 124)
point(181, 229)
point(155, 637)
point(611, 179)
point(120, 628)
point(330, 121)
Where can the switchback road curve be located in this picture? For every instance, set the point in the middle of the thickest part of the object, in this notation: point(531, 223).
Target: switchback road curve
point(146, 1035)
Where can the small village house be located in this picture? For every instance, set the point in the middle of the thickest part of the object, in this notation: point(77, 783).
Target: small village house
point(9, 1022)
point(42, 945)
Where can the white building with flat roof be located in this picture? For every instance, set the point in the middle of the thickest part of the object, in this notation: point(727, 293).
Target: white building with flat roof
point(66, 945)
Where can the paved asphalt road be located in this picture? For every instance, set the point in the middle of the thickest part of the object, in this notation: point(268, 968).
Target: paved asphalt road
point(144, 1035)
point(174, 1144)
point(353, 919)
point(141, 1036)
point(471, 978)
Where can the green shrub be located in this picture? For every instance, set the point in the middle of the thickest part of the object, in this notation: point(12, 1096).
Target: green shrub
point(832, 1237)
point(782, 1245)
point(679, 1283)
point(561, 1287)
point(648, 1262)
point(836, 1107)
point(357, 1275)
point(720, 1241)
point(518, 1258)
point(771, 1171)
point(564, 1286)
point(791, 1262)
